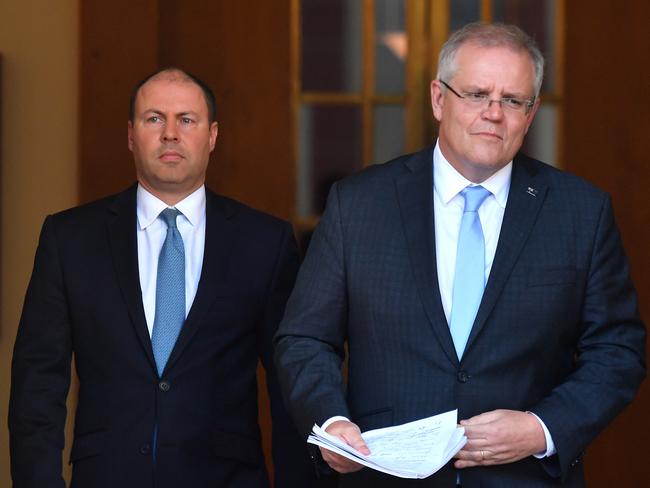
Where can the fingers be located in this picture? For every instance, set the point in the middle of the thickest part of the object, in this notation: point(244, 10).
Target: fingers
point(476, 444)
point(351, 434)
point(339, 463)
point(469, 458)
point(483, 418)
point(498, 437)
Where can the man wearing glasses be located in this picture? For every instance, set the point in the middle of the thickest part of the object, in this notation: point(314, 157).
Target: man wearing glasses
point(468, 276)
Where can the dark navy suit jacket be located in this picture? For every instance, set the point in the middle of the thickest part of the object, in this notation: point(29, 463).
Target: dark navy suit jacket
point(557, 332)
point(84, 298)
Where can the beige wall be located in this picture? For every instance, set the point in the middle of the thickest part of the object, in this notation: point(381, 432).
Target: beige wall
point(39, 47)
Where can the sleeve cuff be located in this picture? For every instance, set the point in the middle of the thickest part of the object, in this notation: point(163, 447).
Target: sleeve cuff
point(331, 420)
point(550, 445)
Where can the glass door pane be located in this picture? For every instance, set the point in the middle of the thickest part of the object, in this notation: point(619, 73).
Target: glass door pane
point(331, 47)
point(388, 126)
point(329, 148)
point(463, 12)
point(390, 47)
point(537, 18)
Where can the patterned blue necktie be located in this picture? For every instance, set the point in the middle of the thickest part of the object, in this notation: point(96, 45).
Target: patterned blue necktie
point(170, 292)
point(469, 277)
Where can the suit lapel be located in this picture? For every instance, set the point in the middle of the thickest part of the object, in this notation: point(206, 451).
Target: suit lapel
point(122, 228)
point(525, 200)
point(415, 196)
point(214, 271)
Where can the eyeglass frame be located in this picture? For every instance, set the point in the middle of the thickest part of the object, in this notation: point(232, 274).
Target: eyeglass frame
point(527, 104)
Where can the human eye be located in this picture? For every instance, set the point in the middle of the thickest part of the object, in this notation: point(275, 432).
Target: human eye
point(154, 119)
point(187, 120)
point(514, 103)
point(476, 97)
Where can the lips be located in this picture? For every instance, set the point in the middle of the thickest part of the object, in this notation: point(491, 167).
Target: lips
point(488, 134)
point(171, 156)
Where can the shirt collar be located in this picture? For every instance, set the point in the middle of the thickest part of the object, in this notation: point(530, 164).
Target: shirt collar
point(448, 182)
point(149, 207)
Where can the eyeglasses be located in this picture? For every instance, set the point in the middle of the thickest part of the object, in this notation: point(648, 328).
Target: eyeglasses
point(482, 101)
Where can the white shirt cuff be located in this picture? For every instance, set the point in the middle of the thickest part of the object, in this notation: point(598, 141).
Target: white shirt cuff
point(331, 420)
point(550, 445)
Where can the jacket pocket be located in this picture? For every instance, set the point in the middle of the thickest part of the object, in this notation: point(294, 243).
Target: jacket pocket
point(88, 445)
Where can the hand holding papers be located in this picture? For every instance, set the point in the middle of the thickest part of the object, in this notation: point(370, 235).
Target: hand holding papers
point(412, 450)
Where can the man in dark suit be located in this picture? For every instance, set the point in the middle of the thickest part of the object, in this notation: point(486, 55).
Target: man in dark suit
point(166, 317)
point(514, 307)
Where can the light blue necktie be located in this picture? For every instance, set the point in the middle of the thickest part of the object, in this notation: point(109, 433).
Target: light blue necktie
point(170, 292)
point(469, 277)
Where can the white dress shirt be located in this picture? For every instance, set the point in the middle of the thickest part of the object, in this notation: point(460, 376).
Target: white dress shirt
point(448, 206)
point(151, 232)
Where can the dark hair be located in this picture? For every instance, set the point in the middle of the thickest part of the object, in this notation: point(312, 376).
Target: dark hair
point(210, 101)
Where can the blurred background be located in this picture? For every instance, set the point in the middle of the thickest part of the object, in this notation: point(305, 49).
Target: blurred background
point(308, 91)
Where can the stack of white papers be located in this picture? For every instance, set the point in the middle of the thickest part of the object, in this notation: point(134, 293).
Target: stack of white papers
point(412, 450)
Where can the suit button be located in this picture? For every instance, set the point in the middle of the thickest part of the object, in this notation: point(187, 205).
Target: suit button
point(462, 376)
point(164, 385)
point(145, 449)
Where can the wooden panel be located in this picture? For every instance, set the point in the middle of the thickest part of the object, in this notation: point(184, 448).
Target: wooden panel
point(119, 46)
point(606, 128)
point(242, 51)
point(1, 90)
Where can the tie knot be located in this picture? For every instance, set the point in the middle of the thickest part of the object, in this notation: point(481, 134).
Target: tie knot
point(474, 197)
point(169, 216)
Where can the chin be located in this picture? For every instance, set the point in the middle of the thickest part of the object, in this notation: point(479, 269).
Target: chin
point(491, 158)
point(484, 169)
point(481, 161)
point(171, 177)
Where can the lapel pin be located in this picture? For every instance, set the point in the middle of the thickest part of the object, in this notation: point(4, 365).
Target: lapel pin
point(532, 191)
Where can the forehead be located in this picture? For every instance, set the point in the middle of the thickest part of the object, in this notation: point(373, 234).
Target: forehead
point(501, 65)
point(173, 95)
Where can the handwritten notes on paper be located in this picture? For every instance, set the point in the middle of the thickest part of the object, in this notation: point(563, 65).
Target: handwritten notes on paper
point(413, 450)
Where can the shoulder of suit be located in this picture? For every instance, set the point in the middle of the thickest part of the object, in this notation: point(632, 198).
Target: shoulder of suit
point(126, 200)
point(559, 179)
point(386, 172)
point(95, 209)
point(237, 211)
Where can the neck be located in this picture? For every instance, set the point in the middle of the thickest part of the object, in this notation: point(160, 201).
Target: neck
point(476, 173)
point(170, 197)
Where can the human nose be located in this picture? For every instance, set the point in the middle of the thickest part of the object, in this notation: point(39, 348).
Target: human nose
point(493, 109)
point(170, 133)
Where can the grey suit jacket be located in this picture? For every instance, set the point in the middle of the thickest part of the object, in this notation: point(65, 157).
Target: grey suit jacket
point(557, 332)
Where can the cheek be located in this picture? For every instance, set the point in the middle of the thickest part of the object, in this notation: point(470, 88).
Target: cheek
point(143, 145)
point(516, 135)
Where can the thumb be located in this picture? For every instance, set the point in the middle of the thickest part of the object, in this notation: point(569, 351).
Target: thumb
point(354, 439)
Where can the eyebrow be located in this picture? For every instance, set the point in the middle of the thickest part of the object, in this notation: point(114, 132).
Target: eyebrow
point(179, 114)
